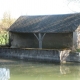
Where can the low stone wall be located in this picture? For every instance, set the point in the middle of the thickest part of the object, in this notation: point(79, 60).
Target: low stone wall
point(30, 54)
point(40, 55)
point(73, 57)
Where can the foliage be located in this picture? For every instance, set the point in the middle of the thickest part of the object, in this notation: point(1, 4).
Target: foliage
point(5, 23)
point(4, 38)
point(78, 50)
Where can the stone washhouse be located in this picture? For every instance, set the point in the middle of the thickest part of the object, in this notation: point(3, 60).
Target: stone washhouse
point(46, 31)
point(44, 38)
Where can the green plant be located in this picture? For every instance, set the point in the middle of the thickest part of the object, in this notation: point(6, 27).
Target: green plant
point(4, 38)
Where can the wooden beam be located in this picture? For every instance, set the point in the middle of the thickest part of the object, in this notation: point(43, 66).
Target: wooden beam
point(40, 38)
point(36, 36)
point(43, 35)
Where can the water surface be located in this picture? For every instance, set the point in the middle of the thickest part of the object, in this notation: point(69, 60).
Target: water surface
point(20, 70)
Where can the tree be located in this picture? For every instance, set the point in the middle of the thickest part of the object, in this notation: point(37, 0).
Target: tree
point(7, 21)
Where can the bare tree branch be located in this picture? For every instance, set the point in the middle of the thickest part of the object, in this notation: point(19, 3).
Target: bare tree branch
point(77, 2)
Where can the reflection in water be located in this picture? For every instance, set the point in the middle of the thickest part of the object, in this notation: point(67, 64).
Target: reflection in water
point(4, 74)
point(72, 71)
point(64, 69)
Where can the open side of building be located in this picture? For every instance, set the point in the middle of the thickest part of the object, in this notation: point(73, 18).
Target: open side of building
point(28, 40)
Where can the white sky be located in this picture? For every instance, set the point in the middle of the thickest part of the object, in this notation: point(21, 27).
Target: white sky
point(36, 7)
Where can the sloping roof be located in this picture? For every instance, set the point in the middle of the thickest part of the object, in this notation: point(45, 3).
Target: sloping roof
point(46, 23)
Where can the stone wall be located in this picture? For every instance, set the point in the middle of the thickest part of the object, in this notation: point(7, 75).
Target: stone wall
point(23, 40)
point(62, 56)
point(73, 57)
point(30, 54)
point(76, 38)
point(58, 40)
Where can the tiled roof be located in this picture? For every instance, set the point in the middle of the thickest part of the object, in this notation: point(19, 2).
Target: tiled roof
point(46, 23)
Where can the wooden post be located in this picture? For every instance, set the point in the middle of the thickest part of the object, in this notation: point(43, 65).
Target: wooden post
point(40, 38)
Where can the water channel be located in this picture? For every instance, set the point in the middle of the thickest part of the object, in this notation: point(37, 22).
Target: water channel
point(20, 70)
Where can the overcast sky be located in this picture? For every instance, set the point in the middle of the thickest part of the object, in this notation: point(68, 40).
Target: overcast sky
point(37, 7)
